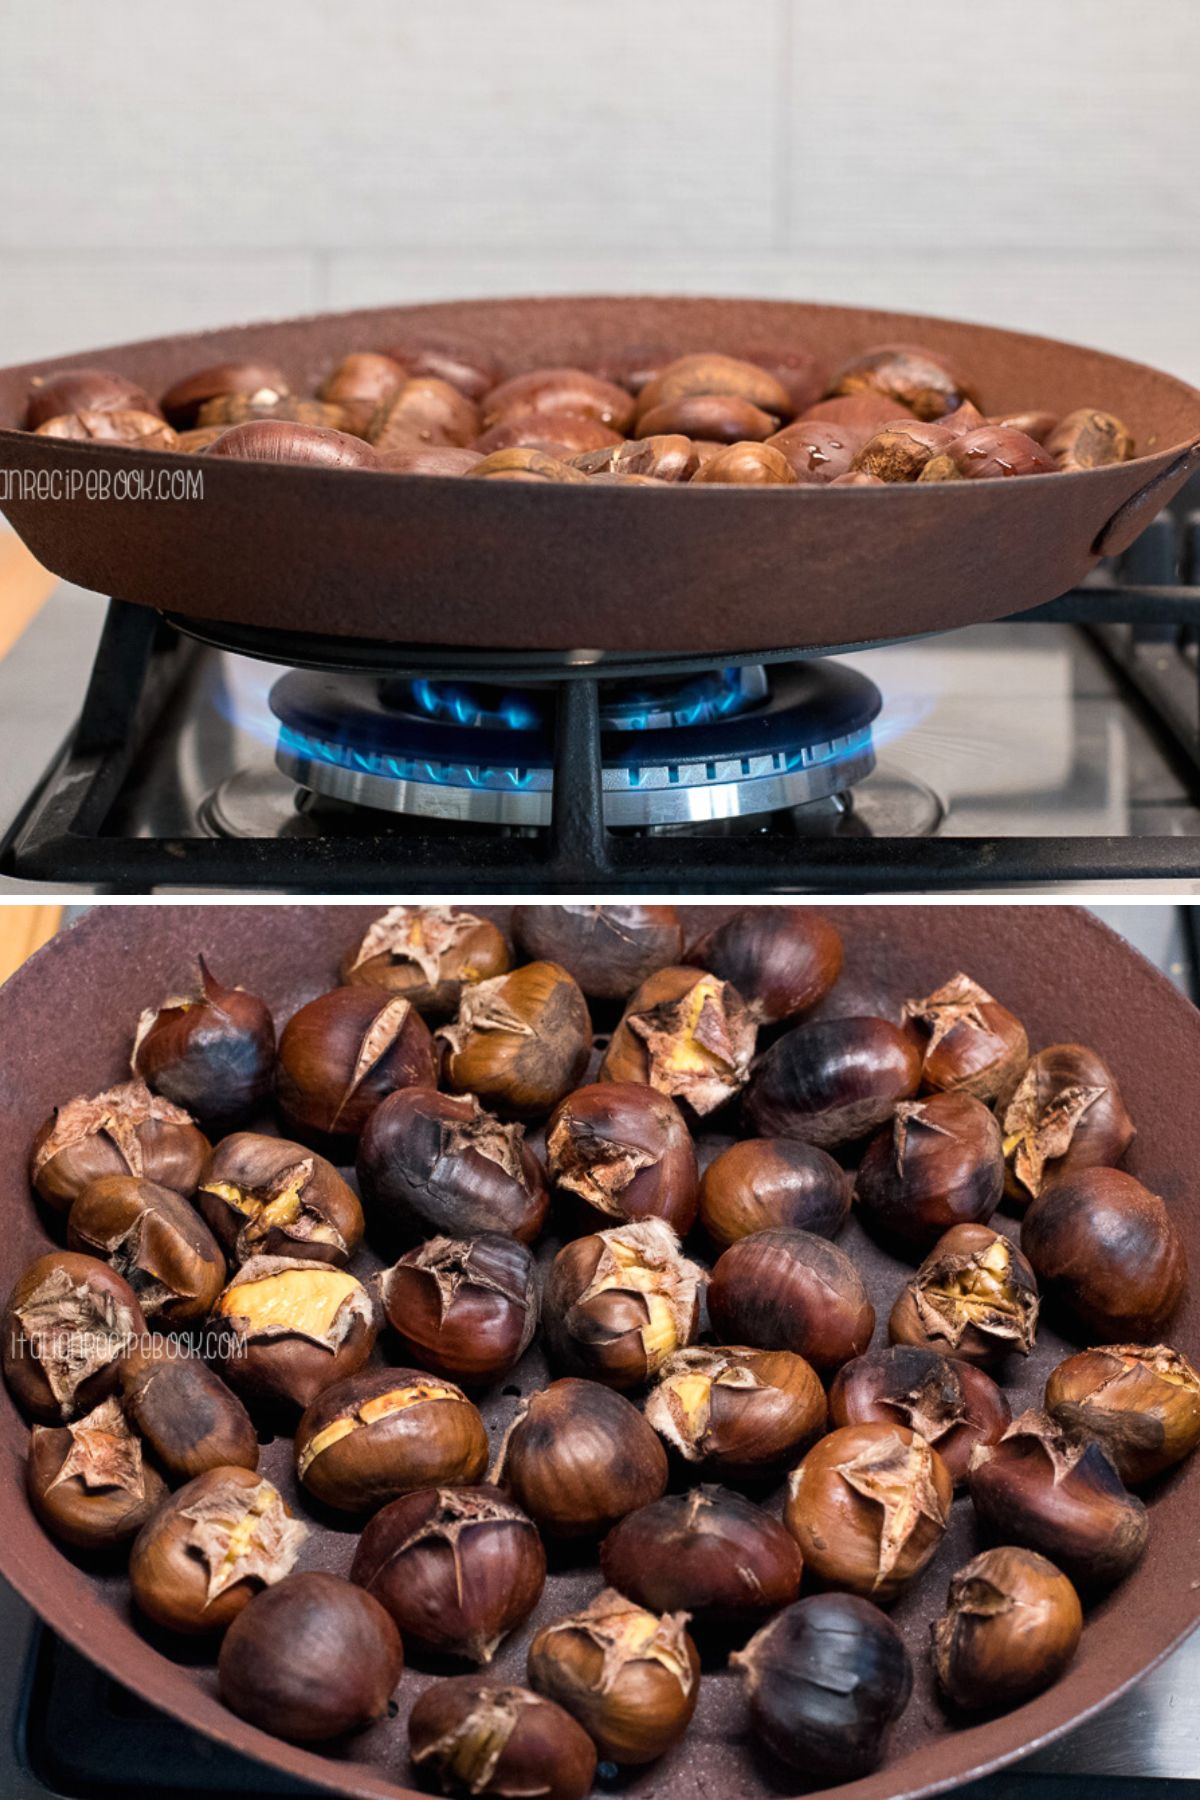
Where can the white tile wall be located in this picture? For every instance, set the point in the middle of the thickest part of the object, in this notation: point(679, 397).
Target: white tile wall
point(1032, 163)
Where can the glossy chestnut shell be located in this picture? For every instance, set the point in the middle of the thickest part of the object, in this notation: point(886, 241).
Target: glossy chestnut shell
point(1106, 1248)
point(1011, 1626)
point(344, 1052)
point(951, 1404)
point(578, 1457)
point(974, 1297)
point(624, 1150)
point(151, 1236)
point(464, 1307)
point(833, 1080)
point(760, 1184)
point(938, 1163)
point(1065, 1114)
point(610, 950)
point(919, 379)
point(88, 1482)
point(427, 953)
point(67, 1323)
point(1141, 1403)
point(189, 1418)
point(619, 1303)
point(781, 959)
point(709, 1553)
point(266, 1196)
point(484, 1738)
point(969, 1043)
point(127, 1130)
point(735, 1411)
point(790, 1290)
point(520, 1041)
point(211, 1050)
point(386, 1432)
point(687, 1034)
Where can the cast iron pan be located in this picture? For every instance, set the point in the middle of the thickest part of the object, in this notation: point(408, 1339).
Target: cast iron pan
point(425, 560)
point(65, 1023)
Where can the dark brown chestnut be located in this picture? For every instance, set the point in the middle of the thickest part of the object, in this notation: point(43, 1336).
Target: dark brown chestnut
point(457, 1568)
point(868, 1507)
point(82, 390)
point(610, 950)
point(68, 1322)
point(254, 381)
point(1141, 1403)
point(819, 450)
point(484, 1741)
point(1065, 1114)
point(975, 1297)
point(239, 409)
point(687, 1034)
point(472, 371)
point(560, 389)
point(921, 380)
point(427, 953)
point(764, 1183)
point(265, 1196)
point(211, 1050)
point(709, 1554)
point(667, 457)
point(744, 463)
point(951, 1404)
point(781, 959)
point(288, 441)
point(617, 1304)
point(151, 1236)
point(735, 1411)
point(344, 1052)
point(969, 1043)
point(288, 1329)
point(1011, 1626)
point(563, 434)
point(520, 1040)
point(424, 410)
point(997, 452)
point(1106, 1248)
point(832, 1080)
point(866, 412)
point(125, 1131)
point(1089, 439)
point(625, 1151)
point(431, 1162)
point(427, 459)
point(578, 1457)
point(524, 463)
point(189, 1418)
point(939, 1163)
point(791, 1290)
point(1046, 1490)
point(899, 452)
point(464, 1307)
point(362, 382)
point(310, 1658)
point(87, 1481)
point(826, 1680)
point(209, 1548)
point(710, 372)
point(386, 1432)
point(631, 1677)
point(716, 418)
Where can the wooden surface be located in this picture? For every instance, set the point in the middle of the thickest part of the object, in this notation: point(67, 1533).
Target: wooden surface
point(24, 585)
point(24, 929)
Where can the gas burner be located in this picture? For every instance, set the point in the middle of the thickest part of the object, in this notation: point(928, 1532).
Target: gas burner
point(720, 745)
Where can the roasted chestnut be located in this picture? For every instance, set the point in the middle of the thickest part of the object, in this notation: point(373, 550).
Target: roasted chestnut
point(457, 1568)
point(1140, 1403)
point(362, 381)
point(819, 450)
point(560, 389)
point(286, 441)
point(561, 434)
point(630, 1677)
point(240, 409)
point(791, 1290)
point(427, 953)
point(1049, 1491)
point(310, 1658)
point(832, 1080)
point(1011, 1626)
point(472, 371)
point(609, 950)
point(951, 1404)
point(1089, 439)
point(1066, 1114)
point(686, 1034)
point(344, 1052)
point(868, 1507)
point(291, 1328)
point(124, 1131)
point(619, 1303)
point(578, 1457)
point(520, 1040)
point(210, 1548)
point(68, 1322)
point(974, 1297)
point(997, 452)
point(667, 457)
point(762, 1183)
point(256, 381)
point(188, 1417)
point(741, 463)
point(899, 452)
point(710, 372)
point(626, 1152)
point(427, 459)
point(523, 464)
point(212, 1051)
point(88, 1483)
point(969, 1042)
point(939, 1163)
point(431, 1162)
point(738, 1412)
point(82, 390)
point(781, 959)
point(385, 1432)
point(424, 410)
point(709, 1554)
point(151, 1236)
point(464, 1307)
point(136, 430)
point(265, 1196)
point(921, 380)
point(865, 412)
point(484, 1741)
point(1106, 1248)
point(826, 1679)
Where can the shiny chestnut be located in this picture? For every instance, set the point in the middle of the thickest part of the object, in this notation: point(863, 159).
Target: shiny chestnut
point(464, 1307)
point(1141, 1403)
point(484, 1740)
point(67, 1323)
point(921, 380)
point(831, 1081)
point(1065, 1114)
point(686, 1034)
point(791, 1290)
point(974, 1297)
point(211, 1050)
point(781, 959)
point(152, 1237)
point(617, 1304)
point(669, 456)
point(427, 953)
point(940, 1162)
point(265, 1196)
point(969, 1042)
point(578, 1457)
point(88, 1482)
point(385, 1432)
point(1106, 1248)
point(190, 1420)
point(737, 1412)
point(288, 441)
point(610, 950)
point(625, 1152)
point(560, 389)
point(899, 452)
point(951, 1404)
point(711, 372)
point(127, 1130)
point(344, 1052)
point(290, 1328)
point(709, 1554)
point(1011, 1626)
point(746, 463)
point(520, 1041)
point(82, 390)
point(764, 1183)
point(255, 381)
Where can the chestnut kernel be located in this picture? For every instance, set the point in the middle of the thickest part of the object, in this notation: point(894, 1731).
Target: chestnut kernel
point(631, 1677)
point(939, 1163)
point(68, 1322)
point(969, 1042)
point(520, 1040)
point(688, 1035)
point(295, 1327)
point(1011, 1626)
point(951, 1404)
point(1141, 1403)
point(189, 1418)
point(483, 1740)
point(974, 1297)
point(457, 1568)
point(831, 1081)
point(151, 1236)
point(310, 1658)
point(921, 380)
point(619, 1303)
point(791, 1290)
point(764, 1183)
point(1065, 1114)
point(625, 1151)
point(125, 1131)
point(466, 1308)
point(1106, 1248)
point(265, 1196)
point(211, 1051)
point(427, 953)
point(709, 1553)
point(737, 1411)
point(385, 1432)
point(344, 1052)
point(610, 950)
point(781, 959)
point(578, 1457)
point(87, 1481)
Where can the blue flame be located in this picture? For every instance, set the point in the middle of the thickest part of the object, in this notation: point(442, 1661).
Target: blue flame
point(442, 700)
point(710, 697)
point(401, 768)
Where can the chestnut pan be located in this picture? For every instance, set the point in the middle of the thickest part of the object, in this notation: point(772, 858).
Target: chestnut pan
point(420, 560)
point(65, 1023)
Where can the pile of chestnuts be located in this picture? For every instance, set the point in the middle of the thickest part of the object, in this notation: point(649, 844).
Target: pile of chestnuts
point(606, 1148)
point(773, 418)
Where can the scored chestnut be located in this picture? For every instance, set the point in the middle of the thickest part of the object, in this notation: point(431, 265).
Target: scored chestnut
point(67, 1323)
point(709, 1553)
point(619, 1303)
point(1089, 439)
point(578, 1457)
point(464, 1307)
point(1140, 1403)
point(292, 1328)
point(125, 1131)
point(625, 1151)
point(265, 1196)
point(485, 1741)
point(211, 1050)
point(969, 1042)
point(344, 1052)
point(737, 1411)
point(151, 1236)
point(383, 1433)
point(1011, 1626)
point(427, 953)
point(869, 1506)
point(938, 1163)
point(521, 1040)
point(1107, 1249)
point(457, 1568)
point(688, 1035)
point(188, 1417)
point(1065, 1114)
point(255, 381)
point(951, 1404)
point(762, 1183)
point(791, 1290)
point(88, 1482)
point(311, 1658)
point(610, 950)
point(631, 1677)
point(781, 959)
point(975, 1297)
point(832, 1080)
point(923, 381)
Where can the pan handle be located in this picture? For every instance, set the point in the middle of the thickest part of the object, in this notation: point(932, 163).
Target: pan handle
point(1131, 519)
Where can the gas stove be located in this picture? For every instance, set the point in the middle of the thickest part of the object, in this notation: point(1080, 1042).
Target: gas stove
point(1061, 747)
